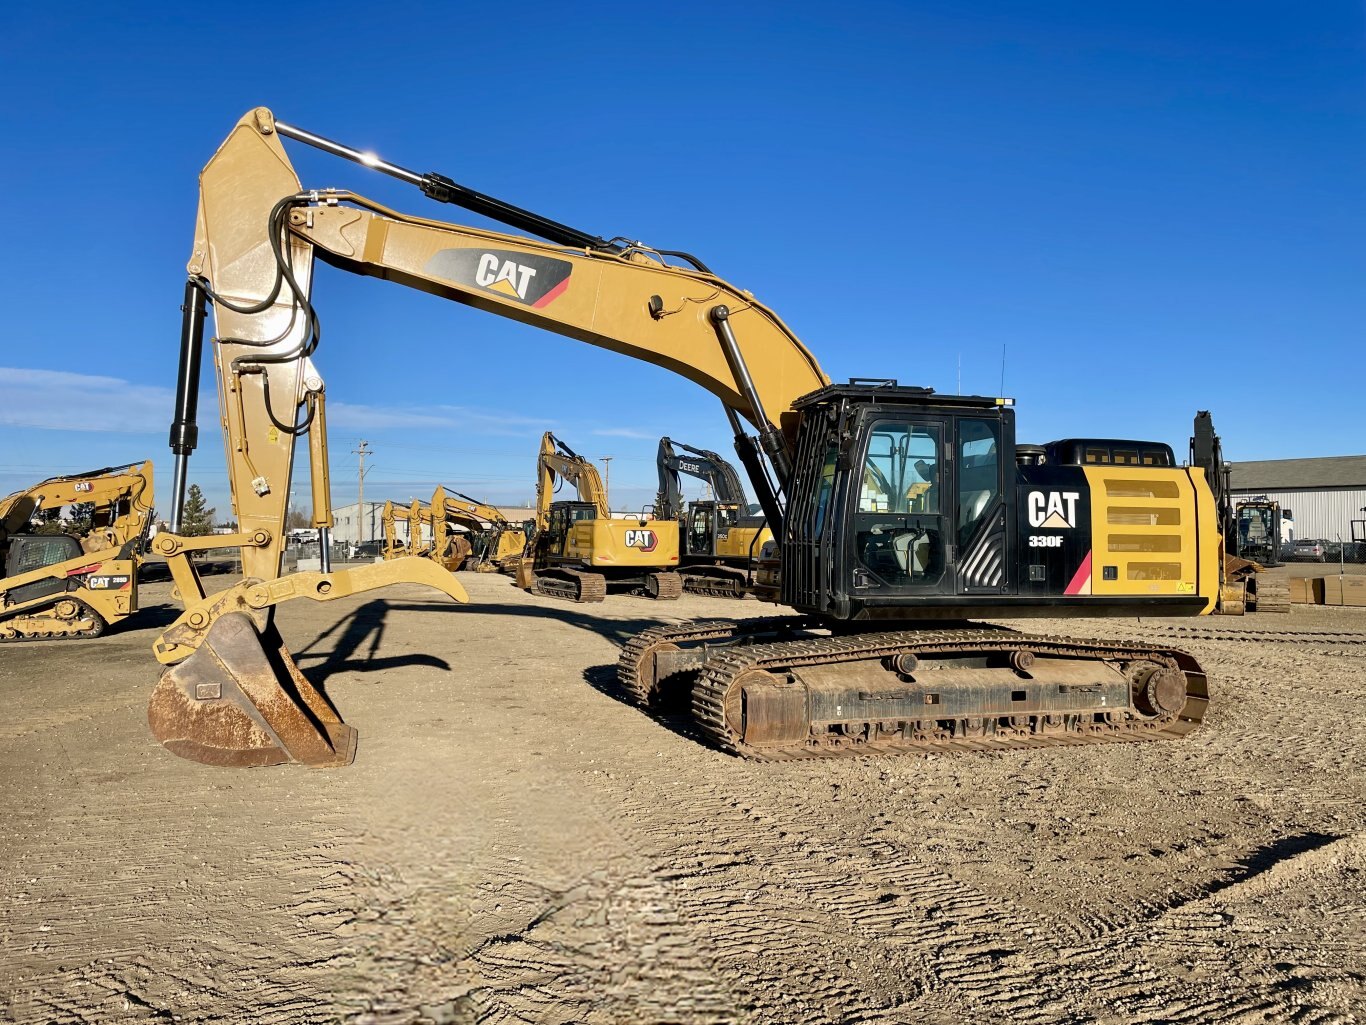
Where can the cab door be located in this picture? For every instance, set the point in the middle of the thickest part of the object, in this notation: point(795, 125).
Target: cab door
point(557, 532)
point(903, 503)
point(702, 529)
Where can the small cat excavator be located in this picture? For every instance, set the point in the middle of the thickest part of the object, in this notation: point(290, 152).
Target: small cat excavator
point(721, 541)
point(578, 548)
point(498, 543)
point(449, 546)
point(76, 582)
point(899, 514)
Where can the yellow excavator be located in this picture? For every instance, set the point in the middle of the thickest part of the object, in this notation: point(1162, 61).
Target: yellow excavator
point(396, 546)
point(899, 513)
point(77, 582)
point(498, 543)
point(449, 546)
point(578, 548)
point(722, 542)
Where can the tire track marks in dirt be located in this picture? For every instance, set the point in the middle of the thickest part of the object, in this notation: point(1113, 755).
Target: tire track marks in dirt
point(797, 925)
point(212, 907)
point(812, 932)
point(607, 948)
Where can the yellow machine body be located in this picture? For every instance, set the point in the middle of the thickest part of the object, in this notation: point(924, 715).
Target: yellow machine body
point(615, 543)
point(73, 584)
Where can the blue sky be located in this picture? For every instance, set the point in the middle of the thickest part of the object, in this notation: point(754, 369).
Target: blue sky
point(1150, 208)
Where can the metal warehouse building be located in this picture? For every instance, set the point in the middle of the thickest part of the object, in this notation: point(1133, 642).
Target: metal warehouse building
point(1325, 494)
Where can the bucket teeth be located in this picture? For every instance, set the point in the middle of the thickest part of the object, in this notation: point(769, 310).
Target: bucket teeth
point(240, 701)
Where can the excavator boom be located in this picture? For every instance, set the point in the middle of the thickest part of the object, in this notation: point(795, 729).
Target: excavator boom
point(707, 466)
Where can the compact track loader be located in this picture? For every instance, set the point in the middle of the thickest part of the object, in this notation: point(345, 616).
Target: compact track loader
point(74, 583)
point(899, 514)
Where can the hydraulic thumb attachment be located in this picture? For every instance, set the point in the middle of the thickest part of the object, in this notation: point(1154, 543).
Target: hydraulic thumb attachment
point(232, 694)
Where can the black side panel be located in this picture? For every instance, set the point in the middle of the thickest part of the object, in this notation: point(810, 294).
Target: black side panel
point(1053, 509)
point(982, 563)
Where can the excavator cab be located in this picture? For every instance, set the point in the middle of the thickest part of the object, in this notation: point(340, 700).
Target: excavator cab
point(710, 524)
point(899, 493)
point(563, 515)
point(896, 492)
point(702, 517)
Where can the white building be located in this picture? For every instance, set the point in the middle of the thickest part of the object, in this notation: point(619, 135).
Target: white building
point(354, 524)
point(1324, 494)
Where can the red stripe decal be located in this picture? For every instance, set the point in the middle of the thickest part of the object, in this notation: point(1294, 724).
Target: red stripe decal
point(1081, 578)
point(84, 569)
point(552, 295)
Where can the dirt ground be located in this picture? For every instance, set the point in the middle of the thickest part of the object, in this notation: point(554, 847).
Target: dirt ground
point(515, 843)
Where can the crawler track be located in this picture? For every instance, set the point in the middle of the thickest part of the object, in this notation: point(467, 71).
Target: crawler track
point(662, 586)
point(34, 626)
point(571, 585)
point(635, 666)
point(716, 694)
point(1209, 633)
point(716, 581)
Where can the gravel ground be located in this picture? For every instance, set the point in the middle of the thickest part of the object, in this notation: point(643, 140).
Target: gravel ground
point(516, 843)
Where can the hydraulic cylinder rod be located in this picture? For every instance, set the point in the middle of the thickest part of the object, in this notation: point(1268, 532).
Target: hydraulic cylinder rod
point(185, 426)
point(774, 446)
point(444, 190)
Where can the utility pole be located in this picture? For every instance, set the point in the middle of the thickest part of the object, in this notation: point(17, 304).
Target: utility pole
point(362, 450)
point(607, 479)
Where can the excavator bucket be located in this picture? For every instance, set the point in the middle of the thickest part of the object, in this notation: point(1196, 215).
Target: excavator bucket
point(240, 701)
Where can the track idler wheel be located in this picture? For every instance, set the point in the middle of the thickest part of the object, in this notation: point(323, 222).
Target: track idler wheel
point(663, 586)
point(1160, 691)
point(240, 701)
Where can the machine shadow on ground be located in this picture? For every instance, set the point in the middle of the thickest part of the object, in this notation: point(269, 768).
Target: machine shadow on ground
point(351, 633)
point(672, 711)
point(618, 631)
point(356, 638)
point(363, 628)
point(147, 617)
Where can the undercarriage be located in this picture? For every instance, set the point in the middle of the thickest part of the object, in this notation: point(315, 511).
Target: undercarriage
point(789, 688)
point(579, 585)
